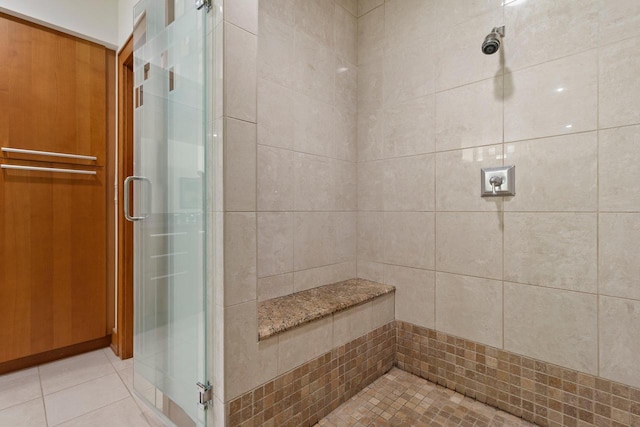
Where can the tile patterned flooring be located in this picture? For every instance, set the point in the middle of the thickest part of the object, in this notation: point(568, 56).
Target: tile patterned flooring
point(95, 389)
point(403, 399)
point(91, 389)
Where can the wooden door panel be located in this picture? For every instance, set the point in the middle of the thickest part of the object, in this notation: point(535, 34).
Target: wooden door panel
point(54, 96)
point(52, 260)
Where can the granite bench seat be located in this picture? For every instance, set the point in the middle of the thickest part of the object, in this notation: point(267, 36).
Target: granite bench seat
point(281, 314)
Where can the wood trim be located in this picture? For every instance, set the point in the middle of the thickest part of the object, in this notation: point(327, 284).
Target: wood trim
point(123, 335)
point(51, 355)
point(111, 172)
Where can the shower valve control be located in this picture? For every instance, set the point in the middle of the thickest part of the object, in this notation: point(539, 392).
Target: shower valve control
point(497, 182)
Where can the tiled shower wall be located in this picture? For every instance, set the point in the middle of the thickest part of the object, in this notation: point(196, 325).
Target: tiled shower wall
point(289, 178)
point(306, 134)
point(553, 272)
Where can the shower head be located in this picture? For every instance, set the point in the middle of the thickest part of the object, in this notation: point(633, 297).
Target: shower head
point(493, 40)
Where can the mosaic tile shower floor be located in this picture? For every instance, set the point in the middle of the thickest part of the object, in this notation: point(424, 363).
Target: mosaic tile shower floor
point(402, 399)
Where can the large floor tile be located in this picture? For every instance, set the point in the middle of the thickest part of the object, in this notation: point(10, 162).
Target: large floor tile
point(75, 370)
point(28, 414)
point(19, 387)
point(123, 413)
point(72, 402)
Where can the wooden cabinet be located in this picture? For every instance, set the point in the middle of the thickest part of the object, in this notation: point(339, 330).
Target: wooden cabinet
point(53, 98)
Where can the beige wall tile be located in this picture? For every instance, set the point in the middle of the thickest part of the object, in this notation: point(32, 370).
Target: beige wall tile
point(242, 13)
point(383, 310)
point(619, 91)
point(320, 276)
point(345, 27)
point(409, 72)
point(555, 174)
point(458, 179)
point(275, 243)
point(371, 36)
point(552, 325)
point(469, 307)
point(409, 239)
point(304, 343)
point(454, 12)
point(470, 115)
point(315, 18)
point(282, 10)
point(365, 6)
point(240, 258)
point(350, 5)
point(344, 185)
point(351, 324)
point(323, 238)
point(371, 236)
point(373, 271)
point(457, 52)
point(619, 156)
point(275, 115)
point(275, 47)
point(248, 363)
point(370, 186)
point(346, 86)
point(415, 294)
point(553, 98)
point(532, 28)
point(408, 22)
point(240, 165)
point(409, 183)
point(618, 255)
point(409, 127)
point(370, 87)
point(314, 65)
point(275, 286)
point(314, 183)
point(240, 59)
point(275, 179)
point(618, 20)
point(345, 138)
point(314, 237)
point(469, 243)
point(313, 126)
point(551, 249)
point(619, 340)
point(370, 135)
point(345, 237)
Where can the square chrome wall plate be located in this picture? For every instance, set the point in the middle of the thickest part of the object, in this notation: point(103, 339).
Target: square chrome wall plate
point(498, 182)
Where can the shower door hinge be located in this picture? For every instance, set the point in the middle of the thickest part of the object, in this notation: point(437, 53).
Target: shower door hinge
point(205, 395)
point(203, 3)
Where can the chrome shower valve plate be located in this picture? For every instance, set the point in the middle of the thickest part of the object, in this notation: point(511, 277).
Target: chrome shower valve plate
point(498, 182)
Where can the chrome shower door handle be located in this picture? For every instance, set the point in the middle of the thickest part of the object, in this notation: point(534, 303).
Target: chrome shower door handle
point(127, 186)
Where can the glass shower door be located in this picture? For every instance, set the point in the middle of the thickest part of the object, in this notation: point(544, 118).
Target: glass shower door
point(168, 208)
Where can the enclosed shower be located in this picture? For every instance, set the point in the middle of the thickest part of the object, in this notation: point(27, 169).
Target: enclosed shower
point(328, 211)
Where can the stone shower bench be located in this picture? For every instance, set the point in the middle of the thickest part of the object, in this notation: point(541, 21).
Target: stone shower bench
point(284, 313)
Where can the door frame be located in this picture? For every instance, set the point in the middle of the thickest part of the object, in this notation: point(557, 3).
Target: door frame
point(122, 337)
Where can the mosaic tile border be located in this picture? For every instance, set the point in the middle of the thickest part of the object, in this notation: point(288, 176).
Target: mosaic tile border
point(303, 396)
point(539, 392)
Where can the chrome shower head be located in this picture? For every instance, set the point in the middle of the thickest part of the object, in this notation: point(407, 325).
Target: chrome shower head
point(493, 40)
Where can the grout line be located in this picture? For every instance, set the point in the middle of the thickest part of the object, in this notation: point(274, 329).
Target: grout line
point(44, 406)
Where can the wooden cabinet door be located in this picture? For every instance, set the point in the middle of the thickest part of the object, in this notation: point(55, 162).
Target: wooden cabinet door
point(52, 92)
point(52, 225)
point(52, 261)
